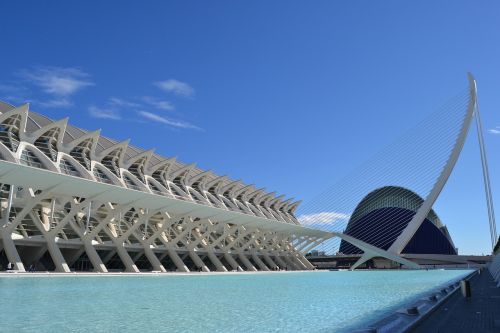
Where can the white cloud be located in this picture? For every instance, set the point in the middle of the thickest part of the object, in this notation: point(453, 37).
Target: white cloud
point(104, 113)
point(15, 93)
point(494, 130)
point(57, 103)
point(176, 87)
point(57, 81)
point(118, 102)
point(13, 88)
point(164, 120)
point(323, 218)
point(159, 104)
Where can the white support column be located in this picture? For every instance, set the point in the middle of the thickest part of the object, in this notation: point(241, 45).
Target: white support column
point(269, 261)
point(153, 259)
point(56, 255)
point(9, 205)
point(302, 263)
point(259, 262)
point(181, 266)
point(234, 264)
point(172, 253)
point(88, 218)
point(94, 257)
point(247, 262)
point(197, 261)
point(54, 251)
point(209, 249)
point(281, 263)
point(52, 209)
point(125, 258)
point(486, 175)
point(291, 265)
point(11, 251)
point(218, 264)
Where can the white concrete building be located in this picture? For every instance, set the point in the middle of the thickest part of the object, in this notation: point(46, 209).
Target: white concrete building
point(75, 200)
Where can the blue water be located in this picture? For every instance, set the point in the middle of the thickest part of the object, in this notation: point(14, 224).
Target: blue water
point(267, 302)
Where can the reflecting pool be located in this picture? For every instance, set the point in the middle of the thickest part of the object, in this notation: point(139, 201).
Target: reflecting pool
point(237, 302)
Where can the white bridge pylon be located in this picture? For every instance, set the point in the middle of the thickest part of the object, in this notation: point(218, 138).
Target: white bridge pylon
point(395, 249)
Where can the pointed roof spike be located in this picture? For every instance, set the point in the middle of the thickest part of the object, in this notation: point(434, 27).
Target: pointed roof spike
point(294, 206)
point(216, 180)
point(277, 199)
point(289, 204)
point(90, 135)
point(6, 107)
point(199, 176)
point(148, 154)
point(20, 110)
point(284, 203)
point(61, 124)
point(168, 162)
point(123, 145)
point(231, 185)
point(185, 168)
point(244, 188)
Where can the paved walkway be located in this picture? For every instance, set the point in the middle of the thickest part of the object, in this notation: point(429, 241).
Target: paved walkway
point(479, 314)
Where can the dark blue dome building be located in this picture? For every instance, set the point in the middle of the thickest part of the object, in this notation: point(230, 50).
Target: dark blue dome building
point(384, 213)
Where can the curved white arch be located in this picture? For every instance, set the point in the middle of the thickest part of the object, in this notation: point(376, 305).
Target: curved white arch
point(403, 239)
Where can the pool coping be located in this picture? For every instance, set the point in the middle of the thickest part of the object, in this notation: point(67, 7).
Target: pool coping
point(14, 274)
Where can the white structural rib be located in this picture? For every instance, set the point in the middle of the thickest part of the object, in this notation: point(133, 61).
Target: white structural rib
point(486, 176)
point(402, 240)
point(21, 175)
point(83, 197)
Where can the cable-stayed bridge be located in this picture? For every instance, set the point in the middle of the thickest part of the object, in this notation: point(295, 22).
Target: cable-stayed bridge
point(383, 208)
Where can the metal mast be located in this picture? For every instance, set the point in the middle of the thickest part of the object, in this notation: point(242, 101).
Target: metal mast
point(486, 174)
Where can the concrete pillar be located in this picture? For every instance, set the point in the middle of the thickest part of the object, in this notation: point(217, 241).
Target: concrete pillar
point(11, 251)
point(290, 265)
point(280, 262)
point(234, 264)
point(305, 262)
point(94, 257)
point(269, 261)
point(300, 265)
point(125, 258)
point(213, 258)
point(259, 262)
point(197, 261)
point(153, 259)
point(247, 262)
point(56, 255)
point(181, 267)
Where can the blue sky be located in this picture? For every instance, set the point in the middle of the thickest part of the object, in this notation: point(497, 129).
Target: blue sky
point(287, 95)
